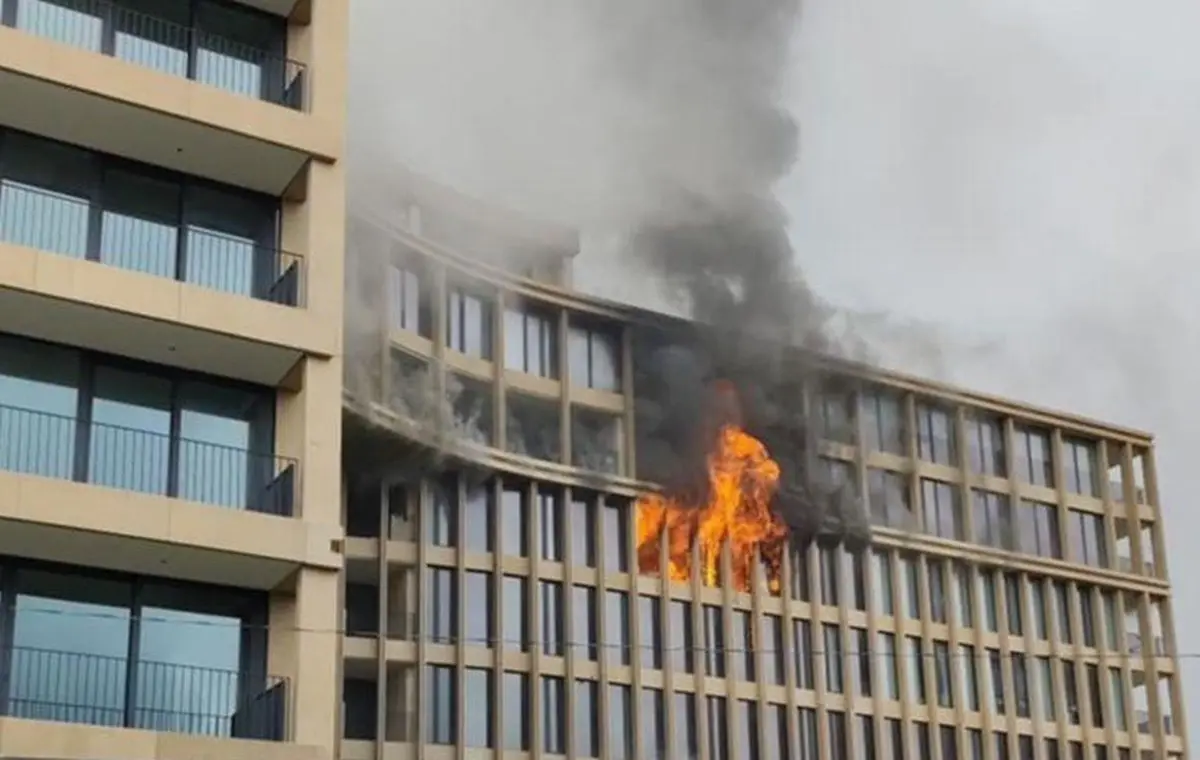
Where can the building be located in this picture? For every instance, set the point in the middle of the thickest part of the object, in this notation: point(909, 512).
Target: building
point(1014, 602)
point(172, 233)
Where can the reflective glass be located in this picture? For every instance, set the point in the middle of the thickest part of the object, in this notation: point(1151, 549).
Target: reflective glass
point(130, 431)
point(187, 673)
point(38, 402)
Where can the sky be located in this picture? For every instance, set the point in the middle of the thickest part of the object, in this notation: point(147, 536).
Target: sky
point(1008, 188)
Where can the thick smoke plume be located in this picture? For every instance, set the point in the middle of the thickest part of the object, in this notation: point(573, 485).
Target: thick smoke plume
point(659, 121)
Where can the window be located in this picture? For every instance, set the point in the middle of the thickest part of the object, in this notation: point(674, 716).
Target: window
point(964, 584)
point(531, 340)
point(477, 723)
point(937, 590)
point(888, 665)
point(477, 620)
point(554, 716)
point(835, 409)
point(941, 509)
point(921, 740)
point(442, 607)
point(858, 579)
point(992, 513)
point(773, 658)
point(139, 428)
point(1087, 615)
point(949, 740)
point(881, 562)
point(935, 434)
point(893, 737)
point(1079, 463)
point(862, 661)
point(65, 200)
point(888, 495)
point(514, 704)
point(650, 622)
point(620, 722)
point(583, 627)
point(970, 676)
point(975, 742)
point(1012, 604)
point(718, 728)
point(776, 732)
point(683, 643)
point(742, 657)
point(1020, 677)
point(1117, 685)
point(1095, 694)
point(747, 732)
point(654, 725)
point(594, 356)
point(1071, 691)
point(866, 737)
point(551, 617)
point(1046, 687)
point(991, 606)
point(583, 530)
point(1086, 533)
point(883, 422)
point(830, 581)
point(1037, 601)
point(550, 524)
point(833, 658)
point(616, 536)
point(803, 648)
point(616, 624)
point(1038, 528)
point(479, 513)
point(515, 613)
point(514, 514)
point(586, 722)
point(686, 736)
point(800, 575)
point(837, 735)
point(985, 436)
point(122, 651)
point(469, 322)
point(1034, 463)
point(408, 300)
point(941, 664)
point(1062, 596)
point(996, 676)
point(441, 705)
point(915, 659)
point(911, 571)
point(714, 642)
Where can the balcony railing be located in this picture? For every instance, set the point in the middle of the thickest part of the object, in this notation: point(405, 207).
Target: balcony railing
point(69, 226)
point(71, 687)
point(190, 52)
point(54, 446)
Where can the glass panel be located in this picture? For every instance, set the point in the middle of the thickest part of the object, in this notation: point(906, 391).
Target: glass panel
point(38, 402)
point(61, 23)
point(160, 43)
point(216, 427)
point(71, 643)
point(131, 425)
point(139, 225)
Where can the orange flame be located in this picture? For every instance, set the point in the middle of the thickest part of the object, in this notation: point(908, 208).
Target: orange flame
point(742, 481)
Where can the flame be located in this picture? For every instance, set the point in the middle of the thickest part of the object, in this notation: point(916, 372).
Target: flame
point(742, 481)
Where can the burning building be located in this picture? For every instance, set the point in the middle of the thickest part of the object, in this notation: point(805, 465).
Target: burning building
point(578, 529)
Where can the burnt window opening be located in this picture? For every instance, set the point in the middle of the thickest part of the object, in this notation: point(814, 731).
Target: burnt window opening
point(534, 427)
point(469, 322)
point(408, 290)
point(410, 387)
point(531, 340)
point(471, 409)
point(596, 440)
point(890, 498)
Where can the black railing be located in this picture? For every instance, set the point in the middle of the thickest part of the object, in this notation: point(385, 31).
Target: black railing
point(72, 687)
point(66, 225)
point(55, 446)
point(190, 52)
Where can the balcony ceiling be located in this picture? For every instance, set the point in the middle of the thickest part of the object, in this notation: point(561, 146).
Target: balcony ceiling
point(141, 134)
point(138, 337)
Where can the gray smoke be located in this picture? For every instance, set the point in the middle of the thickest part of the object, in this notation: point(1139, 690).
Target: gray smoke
point(659, 121)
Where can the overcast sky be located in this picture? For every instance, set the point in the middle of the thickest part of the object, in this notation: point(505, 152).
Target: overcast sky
point(1011, 185)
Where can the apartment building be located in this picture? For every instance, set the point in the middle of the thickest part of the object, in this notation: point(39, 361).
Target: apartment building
point(171, 258)
point(1014, 603)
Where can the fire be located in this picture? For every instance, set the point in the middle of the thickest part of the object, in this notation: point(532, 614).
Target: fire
point(742, 481)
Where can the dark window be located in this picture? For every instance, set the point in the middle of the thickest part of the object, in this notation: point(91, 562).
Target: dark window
point(441, 705)
point(1071, 692)
point(551, 616)
point(834, 658)
point(741, 658)
point(862, 661)
point(837, 736)
point(836, 414)
point(1013, 605)
point(469, 323)
point(1020, 677)
point(935, 434)
point(70, 201)
point(809, 738)
point(714, 642)
point(408, 305)
point(594, 356)
point(828, 559)
point(888, 494)
point(802, 647)
point(554, 716)
point(937, 590)
point(941, 667)
point(883, 422)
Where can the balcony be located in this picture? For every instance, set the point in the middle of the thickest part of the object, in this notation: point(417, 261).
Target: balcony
point(67, 448)
point(58, 223)
point(71, 687)
point(164, 45)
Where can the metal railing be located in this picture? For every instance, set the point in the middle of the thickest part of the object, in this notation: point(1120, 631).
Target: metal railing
point(190, 52)
point(55, 446)
point(66, 225)
point(73, 687)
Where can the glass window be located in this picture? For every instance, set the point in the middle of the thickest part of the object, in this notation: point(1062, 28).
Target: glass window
point(882, 564)
point(39, 398)
point(1085, 531)
point(515, 706)
point(477, 625)
point(479, 512)
point(554, 716)
point(936, 434)
point(408, 300)
point(714, 642)
point(988, 596)
point(742, 661)
point(883, 422)
point(837, 735)
point(992, 514)
point(552, 615)
point(985, 436)
point(477, 720)
point(46, 189)
point(964, 595)
point(1079, 462)
point(1020, 677)
point(936, 570)
point(583, 531)
point(915, 658)
point(833, 658)
point(130, 431)
point(442, 608)
point(239, 50)
point(653, 725)
point(550, 524)
point(888, 665)
point(1062, 596)
point(616, 536)
point(683, 643)
point(650, 622)
point(620, 723)
point(911, 570)
point(776, 733)
point(747, 729)
point(1034, 462)
point(940, 504)
point(1046, 687)
point(616, 624)
point(1012, 603)
point(229, 241)
point(830, 581)
point(441, 705)
point(996, 677)
point(941, 663)
point(139, 225)
point(1037, 601)
point(515, 613)
point(586, 722)
point(1117, 684)
point(803, 648)
point(514, 513)
point(809, 739)
point(583, 627)
point(1071, 692)
point(531, 341)
point(773, 658)
point(888, 495)
point(442, 522)
point(686, 737)
point(469, 323)
point(1038, 528)
point(970, 676)
point(718, 728)
point(594, 357)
